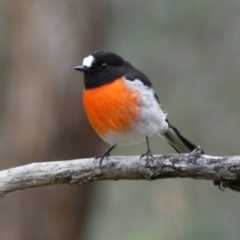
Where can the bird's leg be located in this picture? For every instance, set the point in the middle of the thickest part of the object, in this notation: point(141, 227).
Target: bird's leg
point(148, 154)
point(105, 154)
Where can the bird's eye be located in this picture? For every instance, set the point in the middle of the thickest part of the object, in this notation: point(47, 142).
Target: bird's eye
point(104, 66)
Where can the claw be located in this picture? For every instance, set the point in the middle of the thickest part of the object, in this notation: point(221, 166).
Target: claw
point(148, 155)
point(104, 155)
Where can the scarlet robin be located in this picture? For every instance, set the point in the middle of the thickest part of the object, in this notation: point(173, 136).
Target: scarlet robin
point(122, 106)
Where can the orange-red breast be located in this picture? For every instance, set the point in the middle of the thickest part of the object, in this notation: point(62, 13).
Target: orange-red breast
point(122, 105)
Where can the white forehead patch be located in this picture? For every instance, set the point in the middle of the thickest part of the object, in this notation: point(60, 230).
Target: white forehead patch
point(88, 61)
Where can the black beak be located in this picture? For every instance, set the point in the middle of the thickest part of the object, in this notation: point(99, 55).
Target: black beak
point(81, 68)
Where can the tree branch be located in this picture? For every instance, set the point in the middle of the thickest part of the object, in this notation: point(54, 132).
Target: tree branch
point(224, 171)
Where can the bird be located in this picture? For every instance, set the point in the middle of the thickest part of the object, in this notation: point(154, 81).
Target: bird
point(122, 106)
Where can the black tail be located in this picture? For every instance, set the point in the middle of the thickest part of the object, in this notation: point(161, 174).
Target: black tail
point(177, 141)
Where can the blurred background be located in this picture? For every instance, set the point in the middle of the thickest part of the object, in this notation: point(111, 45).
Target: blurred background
point(190, 50)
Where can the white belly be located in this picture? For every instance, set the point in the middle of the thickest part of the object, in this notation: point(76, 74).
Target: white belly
point(152, 118)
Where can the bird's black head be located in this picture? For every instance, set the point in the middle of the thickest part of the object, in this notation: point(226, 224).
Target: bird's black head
point(101, 68)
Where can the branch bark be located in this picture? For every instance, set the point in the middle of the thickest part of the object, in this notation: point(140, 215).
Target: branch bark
point(224, 171)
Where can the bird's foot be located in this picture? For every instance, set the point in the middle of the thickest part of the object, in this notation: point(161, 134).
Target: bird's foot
point(148, 157)
point(101, 157)
point(104, 155)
